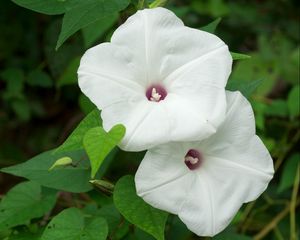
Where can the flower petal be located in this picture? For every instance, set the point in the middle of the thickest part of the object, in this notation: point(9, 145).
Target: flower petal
point(209, 207)
point(107, 82)
point(149, 31)
point(237, 168)
point(236, 143)
point(187, 117)
point(167, 48)
point(237, 127)
point(211, 65)
point(149, 124)
point(224, 185)
point(146, 124)
point(162, 177)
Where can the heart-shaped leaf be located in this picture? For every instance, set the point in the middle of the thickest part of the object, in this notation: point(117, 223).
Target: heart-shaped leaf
point(99, 143)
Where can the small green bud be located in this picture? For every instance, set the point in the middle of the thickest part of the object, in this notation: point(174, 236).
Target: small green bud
point(103, 185)
point(61, 162)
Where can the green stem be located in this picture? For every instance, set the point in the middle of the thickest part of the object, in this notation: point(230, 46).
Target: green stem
point(286, 150)
point(271, 225)
point(158, 3)
point(142, 4)
point(293, 235)
point(246, 212)
point(278, 234)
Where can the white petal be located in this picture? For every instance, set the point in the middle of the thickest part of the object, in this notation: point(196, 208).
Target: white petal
point(107, 77)
point(203, 81)
point(210, 205)
point(187, 118)
point(237, 168)
point(162, 178)
point(209, 103)
point(224, 185)
point(238, 126)
point(211, 67)
point(149, 31)
point(168, 48)
point(149, 124)
point(146, 124)
point(236, 142)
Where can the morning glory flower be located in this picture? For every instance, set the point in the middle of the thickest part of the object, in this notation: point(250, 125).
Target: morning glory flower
point(162, 80)
point(206, 182)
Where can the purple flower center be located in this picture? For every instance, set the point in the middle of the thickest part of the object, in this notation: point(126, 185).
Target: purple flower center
point(156, 93)
point(193, 159)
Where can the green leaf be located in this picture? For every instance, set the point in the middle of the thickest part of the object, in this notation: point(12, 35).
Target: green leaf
point(98, 144)
point(277, 108)
point(118, 227)
point(256, 68)
point(71, 224)
point(69, 76)
point(75, 140)
point(69, 178)
point(95, 30)
point(289, 172)
point(14, 78)
point(136, 211)
point(23, 203)
point(85, 104)
point(178, 230)
point(211, 27)
point(113, 218)
point(230, 236)
point(215, 8)
point(58, 61)
point(85, 13)
point(51, 7)
point(21, 108)
point(245, 87)
point(294, 101)
point(239, 56)
point(39, 78)
point(26, 235)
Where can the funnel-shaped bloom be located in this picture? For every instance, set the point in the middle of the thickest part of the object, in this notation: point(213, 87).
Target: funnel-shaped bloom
point(206, 182)
point(162, 80)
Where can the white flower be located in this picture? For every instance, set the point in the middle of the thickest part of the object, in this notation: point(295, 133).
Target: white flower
point(206, 182)
point(163, 81)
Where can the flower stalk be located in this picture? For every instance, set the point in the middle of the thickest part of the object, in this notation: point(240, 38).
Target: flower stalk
point(158, 3)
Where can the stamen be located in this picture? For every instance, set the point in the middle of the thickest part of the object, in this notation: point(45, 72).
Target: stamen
point(155, 96)
point(156, 93)
point(191, 160)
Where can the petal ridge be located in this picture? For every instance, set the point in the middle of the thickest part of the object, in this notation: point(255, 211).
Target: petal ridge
point(181, 175)
point(233, 164)
point(183, 67)
point(138, 126)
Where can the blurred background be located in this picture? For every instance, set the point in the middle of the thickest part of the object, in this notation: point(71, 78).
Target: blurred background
point(40, 102)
